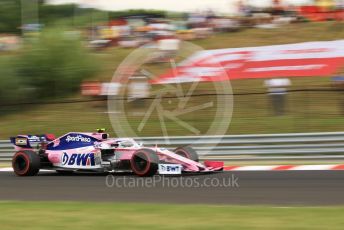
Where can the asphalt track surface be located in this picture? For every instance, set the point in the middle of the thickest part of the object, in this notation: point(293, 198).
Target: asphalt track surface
point(264, 187)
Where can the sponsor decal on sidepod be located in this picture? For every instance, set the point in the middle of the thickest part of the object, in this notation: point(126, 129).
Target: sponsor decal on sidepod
point(76, 159)
point(78, 138)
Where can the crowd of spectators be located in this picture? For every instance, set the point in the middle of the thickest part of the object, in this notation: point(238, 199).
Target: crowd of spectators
point(134, 31)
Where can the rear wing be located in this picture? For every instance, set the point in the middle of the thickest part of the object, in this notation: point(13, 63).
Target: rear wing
point(30, 141)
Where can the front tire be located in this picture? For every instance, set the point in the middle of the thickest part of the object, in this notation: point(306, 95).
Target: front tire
point(26, 163)
point(187, 152)
point(144, 162)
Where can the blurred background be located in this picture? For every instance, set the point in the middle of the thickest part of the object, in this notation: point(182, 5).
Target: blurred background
point(58, 59)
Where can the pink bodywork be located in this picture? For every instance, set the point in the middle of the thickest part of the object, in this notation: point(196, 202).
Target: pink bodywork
point(55, 156)
point(170, 157)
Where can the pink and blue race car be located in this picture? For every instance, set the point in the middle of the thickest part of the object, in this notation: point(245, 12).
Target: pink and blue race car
point(96, 152)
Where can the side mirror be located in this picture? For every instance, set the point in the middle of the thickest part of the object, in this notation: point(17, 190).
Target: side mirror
point(105, 136)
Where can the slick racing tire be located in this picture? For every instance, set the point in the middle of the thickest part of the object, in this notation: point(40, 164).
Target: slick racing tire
point(187, 152)
point(144, 162)
point(26, 163)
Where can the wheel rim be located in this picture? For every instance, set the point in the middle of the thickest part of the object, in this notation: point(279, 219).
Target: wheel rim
point(20, 164)
point(140, 162)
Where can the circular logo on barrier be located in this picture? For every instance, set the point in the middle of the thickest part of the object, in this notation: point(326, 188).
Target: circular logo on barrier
point(171, 90)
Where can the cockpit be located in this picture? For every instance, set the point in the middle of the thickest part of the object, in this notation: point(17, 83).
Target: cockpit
point(126, 143)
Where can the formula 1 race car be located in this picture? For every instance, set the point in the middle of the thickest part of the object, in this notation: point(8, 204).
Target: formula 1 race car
point(96, 152)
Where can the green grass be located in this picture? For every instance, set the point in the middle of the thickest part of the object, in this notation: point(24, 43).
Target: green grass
point(293, 33)
point(315, 112)
point(306, 112)
point(83, 216)
point(5, 164)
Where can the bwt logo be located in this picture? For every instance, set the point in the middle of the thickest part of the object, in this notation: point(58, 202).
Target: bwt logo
point(170, 168)
point(84, 159)
point(78, 138)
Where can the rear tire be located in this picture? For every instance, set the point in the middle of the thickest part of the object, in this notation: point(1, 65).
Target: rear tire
point(26, 163)
point(144, 162)
point(187, 152)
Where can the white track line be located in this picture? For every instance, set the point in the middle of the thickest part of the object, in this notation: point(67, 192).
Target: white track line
point(6, 170)
point(258, 168)
point(284, 168)
point(255, 168)
point(11, 170)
